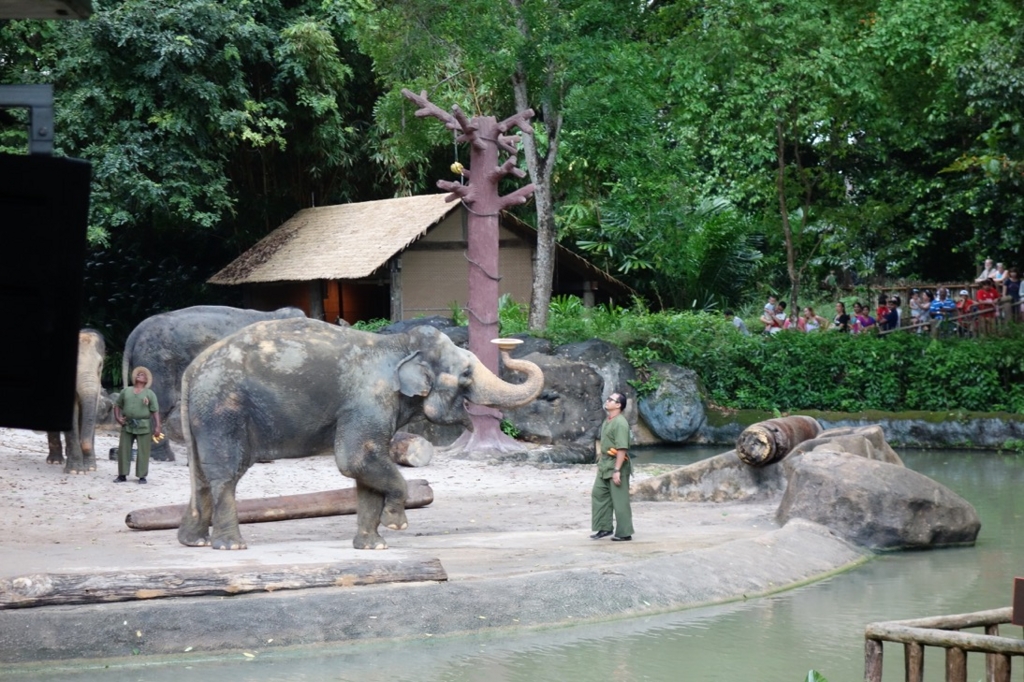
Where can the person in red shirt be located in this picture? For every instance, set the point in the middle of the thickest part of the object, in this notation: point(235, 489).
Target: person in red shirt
point(964, 306)
point(987, 297)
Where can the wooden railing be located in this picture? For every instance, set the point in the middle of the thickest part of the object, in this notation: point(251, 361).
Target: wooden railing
point(944, 632)
point(978, 322)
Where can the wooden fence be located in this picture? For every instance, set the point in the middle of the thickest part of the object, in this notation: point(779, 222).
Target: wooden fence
point(944, 632)
point(977, 323)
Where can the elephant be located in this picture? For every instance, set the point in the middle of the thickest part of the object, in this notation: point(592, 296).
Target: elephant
point(292, 388)
point(80, 440)
point(167, 342)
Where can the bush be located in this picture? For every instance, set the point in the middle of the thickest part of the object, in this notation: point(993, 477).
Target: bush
point(822, 371)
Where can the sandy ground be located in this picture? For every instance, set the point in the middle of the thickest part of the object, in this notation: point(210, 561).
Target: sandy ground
point(58, 523)
point(513, 540)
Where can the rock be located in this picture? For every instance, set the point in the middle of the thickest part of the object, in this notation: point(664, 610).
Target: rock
point(440, 435)
point(569, 407)
point(609, 362)
point(411, 450)
point(722, 478)
point(674, 411)
point(875, 504)
point(436, 321)
point(529, 345)
point(458, 335)
point(863, 441)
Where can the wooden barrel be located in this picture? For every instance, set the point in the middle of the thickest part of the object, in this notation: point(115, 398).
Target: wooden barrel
point(769, 441)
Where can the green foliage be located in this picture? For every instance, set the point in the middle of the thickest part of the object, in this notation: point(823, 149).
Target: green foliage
point(641, 357)
point(1014, 445)
point(372, 325)
point(701, 257)
point(814, 676)
point(112, 371)
point(824, 371)
point(509, 429)
point(458, 314)
point(512, 316)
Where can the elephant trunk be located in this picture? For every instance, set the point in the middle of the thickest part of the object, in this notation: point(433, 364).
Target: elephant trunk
point(488, 389)
point(89, 399)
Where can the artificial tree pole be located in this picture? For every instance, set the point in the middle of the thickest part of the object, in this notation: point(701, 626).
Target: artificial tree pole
point(486, 137)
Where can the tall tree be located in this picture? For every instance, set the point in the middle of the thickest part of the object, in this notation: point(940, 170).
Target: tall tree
point(465, 53)
point(758, 89)
point(207, 125)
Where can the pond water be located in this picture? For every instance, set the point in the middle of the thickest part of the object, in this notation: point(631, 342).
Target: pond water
point(774, 639)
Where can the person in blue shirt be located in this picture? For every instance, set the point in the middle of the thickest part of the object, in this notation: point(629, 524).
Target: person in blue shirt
point(942, 307)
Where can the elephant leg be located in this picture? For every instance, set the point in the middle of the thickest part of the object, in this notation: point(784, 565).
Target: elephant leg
point(393, 516)
point(369, 505)
point(56, 455)
point(194, 530)
point(88, 456)
point(380, 488)
point(225, 533)
point(74, 463)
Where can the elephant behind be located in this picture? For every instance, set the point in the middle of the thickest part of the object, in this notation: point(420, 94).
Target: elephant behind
point(168, 342)
point(293, 388)
point(80, 441)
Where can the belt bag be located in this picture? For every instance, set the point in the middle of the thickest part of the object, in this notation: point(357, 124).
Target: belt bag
point(138, 423)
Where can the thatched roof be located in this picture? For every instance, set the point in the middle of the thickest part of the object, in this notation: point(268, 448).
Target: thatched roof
point(351, 241)
point(347, 241)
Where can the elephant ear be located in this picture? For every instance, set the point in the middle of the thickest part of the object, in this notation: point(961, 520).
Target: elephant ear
point(414, 376)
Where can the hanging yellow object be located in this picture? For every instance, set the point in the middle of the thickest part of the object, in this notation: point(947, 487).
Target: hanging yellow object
point(458, 168)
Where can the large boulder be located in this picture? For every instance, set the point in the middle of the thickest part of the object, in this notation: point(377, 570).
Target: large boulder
point(610, 363)
point(875, 504)
point(568, 409)
point(674, 411)
point(863, 441)
point(722, 478)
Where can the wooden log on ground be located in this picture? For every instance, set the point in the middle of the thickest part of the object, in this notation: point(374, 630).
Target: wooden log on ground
point(769, 441)
point(282, 508)
point(49, 589)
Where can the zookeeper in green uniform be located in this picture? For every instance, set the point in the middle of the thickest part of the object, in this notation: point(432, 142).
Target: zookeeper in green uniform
point(611, 488)
point(134, 408)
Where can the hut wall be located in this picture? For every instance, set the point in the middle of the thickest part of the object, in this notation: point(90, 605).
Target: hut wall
point(435, 270)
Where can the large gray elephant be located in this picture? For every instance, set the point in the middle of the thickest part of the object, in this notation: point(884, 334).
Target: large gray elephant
point(168, 342)
point(293, 388)
point(81, 439)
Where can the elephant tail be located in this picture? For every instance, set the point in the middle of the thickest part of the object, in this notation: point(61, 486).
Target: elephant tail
point(186, 425)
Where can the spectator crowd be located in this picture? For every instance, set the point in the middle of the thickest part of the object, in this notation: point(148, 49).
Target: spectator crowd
point(996, 295)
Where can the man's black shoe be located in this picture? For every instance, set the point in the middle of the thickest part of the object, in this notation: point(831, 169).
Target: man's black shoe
point(120, 479)
point(142, 480)
point(600, 534)
point(624, 538)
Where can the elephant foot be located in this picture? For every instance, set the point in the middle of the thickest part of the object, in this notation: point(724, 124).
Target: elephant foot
point(395, 519)
point(68, 469)
point(193, 537)
point(237, 543)
point(55, 459)
point(369, 541)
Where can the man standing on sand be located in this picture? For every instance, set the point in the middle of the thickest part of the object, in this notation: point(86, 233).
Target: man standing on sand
point(611, 488)
point(134, 407)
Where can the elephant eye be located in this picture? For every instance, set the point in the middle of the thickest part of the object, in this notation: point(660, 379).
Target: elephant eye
point(466, 376)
